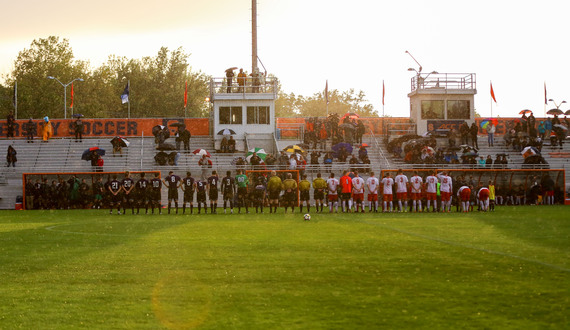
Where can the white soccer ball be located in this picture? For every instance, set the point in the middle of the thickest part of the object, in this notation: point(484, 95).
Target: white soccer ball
point(307, 217)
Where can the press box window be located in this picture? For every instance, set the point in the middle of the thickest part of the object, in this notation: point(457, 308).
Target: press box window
point(432, 110)
point(230, 115)
point(458, 109)
point(258, 115)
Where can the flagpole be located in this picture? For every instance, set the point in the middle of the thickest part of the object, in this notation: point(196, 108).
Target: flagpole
point(129, 103)
point(15, 99)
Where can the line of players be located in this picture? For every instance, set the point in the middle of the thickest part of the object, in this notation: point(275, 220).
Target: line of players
point(348, 190)
point(351, 189)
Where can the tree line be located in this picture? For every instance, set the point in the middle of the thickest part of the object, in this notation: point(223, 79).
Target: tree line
point(157, 87)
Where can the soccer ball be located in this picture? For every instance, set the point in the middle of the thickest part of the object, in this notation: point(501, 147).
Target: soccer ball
point(307, 217)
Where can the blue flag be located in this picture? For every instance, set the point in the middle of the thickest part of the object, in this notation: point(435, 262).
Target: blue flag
point(125, 95)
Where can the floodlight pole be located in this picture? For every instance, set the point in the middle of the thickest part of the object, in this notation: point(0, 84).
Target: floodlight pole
point(64, 92)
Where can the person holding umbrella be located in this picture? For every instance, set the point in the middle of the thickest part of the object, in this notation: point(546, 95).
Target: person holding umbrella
point(78, 129)
point(229, 78)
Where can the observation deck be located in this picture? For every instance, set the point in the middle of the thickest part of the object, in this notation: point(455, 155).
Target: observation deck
point(258, 88)
point(443, 83)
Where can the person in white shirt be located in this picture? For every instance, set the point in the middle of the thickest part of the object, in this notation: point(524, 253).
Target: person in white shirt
point(416, 183)
point(332, 186)
point(372, 183)
point(431, 189)
point(358, 191)
point(402, 190)
point(387, 183)
point(445, 188)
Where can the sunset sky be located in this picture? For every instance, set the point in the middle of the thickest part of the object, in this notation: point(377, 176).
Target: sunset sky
point(354, 44)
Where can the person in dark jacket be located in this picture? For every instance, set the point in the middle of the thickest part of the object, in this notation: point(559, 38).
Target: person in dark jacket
point(473, 131)
point(11, 156)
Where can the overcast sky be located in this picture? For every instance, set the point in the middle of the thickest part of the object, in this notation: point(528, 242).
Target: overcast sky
point(354, 44)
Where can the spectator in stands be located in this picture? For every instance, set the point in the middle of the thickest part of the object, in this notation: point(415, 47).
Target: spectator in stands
point(541, 130)
point(173, 158)
point(78, 129)
point(224, 145)
point(464, 132)
point(117, 148)
point(531, 122)
point(362, 152)
point(489, 162)
point(283, 161)
point(255, 161)
point(231, 144)
point(205, 163)
point(451, 138)
point(94, 158)
point(11, 156)
point(10, 123)
point(161, 158)
point(342, 154)
point(353, 161)
point(293, 162)
point(270, 160)
point(229, 77)
point(473, 131)
point(242, 77)
point(481, 163)
point(328, 160)
point(548, 128)
point(315, 155)
point(490, 134)
point(360, 130)
point(30, 129)
point(47, 131)
point(524, 124)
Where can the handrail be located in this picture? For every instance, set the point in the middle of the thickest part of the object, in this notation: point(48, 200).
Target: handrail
point(261, 85)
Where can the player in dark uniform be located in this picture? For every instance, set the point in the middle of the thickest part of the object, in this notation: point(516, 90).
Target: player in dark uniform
point(228, 189)
point(213, 191)
point(259, 195)
point(128, 184)
point(115, 194)
point(141, 193)
point(201, 195)
point(155, 188)
point(172, 181)
point(188, 187)
point(98, 190)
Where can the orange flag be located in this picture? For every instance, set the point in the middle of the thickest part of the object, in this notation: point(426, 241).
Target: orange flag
point(493, 93)
point(71, 106)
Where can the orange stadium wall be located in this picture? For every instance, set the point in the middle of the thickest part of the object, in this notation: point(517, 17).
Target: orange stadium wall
point(110, 127)
point(200, 126)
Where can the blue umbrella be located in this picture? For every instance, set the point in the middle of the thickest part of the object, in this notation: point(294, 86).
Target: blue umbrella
point(336, 148)
point(87, 153)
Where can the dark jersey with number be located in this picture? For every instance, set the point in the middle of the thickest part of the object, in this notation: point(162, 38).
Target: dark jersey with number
point(142, 185)
point(127, 183)
point(173, 181)
point(115, 186)
point(228, 184)
point(156, 184)
point(200, 186)
point(188, 183)
point(213, 182)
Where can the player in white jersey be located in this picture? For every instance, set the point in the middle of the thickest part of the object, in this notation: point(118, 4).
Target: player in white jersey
point(387, 184)
point(402, 190)
point(416, 183)
point(464, 193)
point(445, 188)
point(372, 183)
point(358, 191)
point(431, 189)
point(332, 186)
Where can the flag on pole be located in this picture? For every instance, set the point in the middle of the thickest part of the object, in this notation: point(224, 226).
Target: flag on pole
point(71, 106)
point(383, 92)
point(493, 93)
point(185, 93)
point(327, 92)
point(545, 98)
point(125, 95)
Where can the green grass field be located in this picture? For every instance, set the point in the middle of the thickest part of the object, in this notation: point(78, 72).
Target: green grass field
point(87, 269)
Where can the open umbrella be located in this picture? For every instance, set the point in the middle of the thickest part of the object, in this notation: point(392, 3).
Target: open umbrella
point(562, 127)
point(350, 115)
point(259, 151)
point(525, 111)
point(166, 146)
point(554, 112)
point(227, 131)
point(365, 145)
point(87, 153)
point(178, 124)
point(487, 121)
point(293, 148)
point(567, 113)
point(529, 151)
point(232, 68)
point(77, 115)
point(120, 141)
point(200, 152)
point(347, 146)
point(348, 126)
